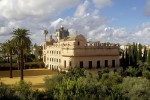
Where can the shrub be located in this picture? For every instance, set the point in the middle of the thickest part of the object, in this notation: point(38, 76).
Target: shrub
point(131, 71)
point(120, 71)
point(23, 90)
point(110, 79)
point(146, 74)
point(136, 88)
point(6, 93)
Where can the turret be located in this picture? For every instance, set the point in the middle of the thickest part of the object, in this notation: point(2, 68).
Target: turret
point(61, 33)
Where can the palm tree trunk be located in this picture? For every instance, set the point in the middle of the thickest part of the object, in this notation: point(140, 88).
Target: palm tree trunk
point(10, 63)
point(18, 61)
point(22, 64)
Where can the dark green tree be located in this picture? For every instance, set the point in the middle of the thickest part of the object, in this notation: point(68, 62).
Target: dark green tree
point(148, 57)
point(139, 52)
point(144, 55)
point(21, 42)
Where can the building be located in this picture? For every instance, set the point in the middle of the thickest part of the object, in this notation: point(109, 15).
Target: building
point(70, 51)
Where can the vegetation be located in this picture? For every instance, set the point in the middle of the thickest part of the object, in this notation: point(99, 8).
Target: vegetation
point(82, 85)
point(22, 42)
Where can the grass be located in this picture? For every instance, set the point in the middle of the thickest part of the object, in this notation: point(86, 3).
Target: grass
point(35, 76)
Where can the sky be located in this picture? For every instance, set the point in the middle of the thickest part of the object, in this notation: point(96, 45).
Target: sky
point(115, 21)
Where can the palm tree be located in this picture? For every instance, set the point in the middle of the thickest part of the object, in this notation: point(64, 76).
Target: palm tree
point(7, 49)
point(45, 33)
point(21, 42)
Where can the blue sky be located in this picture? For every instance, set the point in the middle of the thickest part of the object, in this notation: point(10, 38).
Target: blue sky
point(117, 21)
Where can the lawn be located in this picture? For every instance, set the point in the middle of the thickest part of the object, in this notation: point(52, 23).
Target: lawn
point(35, 76)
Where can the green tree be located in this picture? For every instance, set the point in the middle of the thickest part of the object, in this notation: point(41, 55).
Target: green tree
point(22, 42)
point(144, 55)
point(7, 49)
point(148, 57)
point(139, 52)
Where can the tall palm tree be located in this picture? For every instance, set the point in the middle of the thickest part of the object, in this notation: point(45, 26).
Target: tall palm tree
point(21, 41)
point(45, 33)
point(7, 49)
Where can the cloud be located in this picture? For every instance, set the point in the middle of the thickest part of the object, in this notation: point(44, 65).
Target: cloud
point(147, 9)
point(85, 19)
point(94, 28)
point(30, 14)
point(17, 9)
point(102, 3)
point(142, 34)
point(81, 9)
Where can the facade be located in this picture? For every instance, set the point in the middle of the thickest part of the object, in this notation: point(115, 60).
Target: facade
point(70, 51)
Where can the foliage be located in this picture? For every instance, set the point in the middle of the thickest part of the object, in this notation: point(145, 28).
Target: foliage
point(23, 90)
point(6, 93)
point(146, 74)
point(75, 73)
point(111, 79)
point(131, 71)
point(21, 42)
point(136, 88)
point(82, 85)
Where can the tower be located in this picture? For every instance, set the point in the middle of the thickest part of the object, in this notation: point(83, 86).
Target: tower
point(61, 33)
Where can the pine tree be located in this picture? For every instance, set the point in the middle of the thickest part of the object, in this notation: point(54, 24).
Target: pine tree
point(139, 58)
point(148, 57)
point(126, 58)
point(144, 55)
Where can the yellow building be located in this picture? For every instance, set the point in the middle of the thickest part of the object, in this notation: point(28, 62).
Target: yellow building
point(70, 51)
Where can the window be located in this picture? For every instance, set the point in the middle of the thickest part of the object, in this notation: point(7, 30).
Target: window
point(59, 60)
point(78, 43)
point(47, 59)
point(106, 63)
point(90, 64)
point(64, 63)
point(81, 64)
point(70, 63)
point(98, 64)
point(113, 63)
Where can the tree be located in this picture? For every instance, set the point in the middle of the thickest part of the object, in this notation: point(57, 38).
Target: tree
point(7, 49)
point(21, 42)
point(148, 57)
point(139, 52)
point(39, 51)
point(144, 54)
point(45, 33)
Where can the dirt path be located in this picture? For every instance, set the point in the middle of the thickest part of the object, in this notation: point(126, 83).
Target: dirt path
point(35, 76)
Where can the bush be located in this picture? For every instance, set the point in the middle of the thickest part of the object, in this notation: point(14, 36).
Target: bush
point(146, 74)
point(111, 79)
point(131, 71)
point(136, 88)
point(6, 93)
point(120, 71)
point(23, 90)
